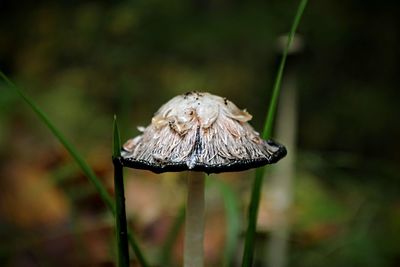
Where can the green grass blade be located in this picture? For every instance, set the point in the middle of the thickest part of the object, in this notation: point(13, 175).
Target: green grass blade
point(136, 249)
point(72, 151)
point(79, 160)
point(269, 120)
point(120, 218)
point(116, 139)
point(248, 253)
point(231, 204)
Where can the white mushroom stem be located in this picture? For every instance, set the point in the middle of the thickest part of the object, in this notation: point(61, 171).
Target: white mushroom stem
point(194, 225)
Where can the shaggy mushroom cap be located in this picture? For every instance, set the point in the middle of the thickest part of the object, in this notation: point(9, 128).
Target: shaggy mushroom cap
point(200, 132)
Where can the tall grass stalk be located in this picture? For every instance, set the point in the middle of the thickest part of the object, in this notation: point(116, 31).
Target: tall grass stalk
point(87, 170)
point(120, 218)
point(68, 146)
point(248, 253)
point(231, 203)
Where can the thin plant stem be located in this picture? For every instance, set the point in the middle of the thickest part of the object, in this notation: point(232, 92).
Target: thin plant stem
point(68, 146)
point(120, 216)
point(248, 252)
point(232, 214)
point(137, 250)
point(269, 120)
point(87, 170)
point(252, 219)
point(194, 224)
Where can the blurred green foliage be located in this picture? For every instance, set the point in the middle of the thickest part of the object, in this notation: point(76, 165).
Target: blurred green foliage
point(85, 61)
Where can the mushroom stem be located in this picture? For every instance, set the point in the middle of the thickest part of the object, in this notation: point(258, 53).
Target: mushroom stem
point(194, 226)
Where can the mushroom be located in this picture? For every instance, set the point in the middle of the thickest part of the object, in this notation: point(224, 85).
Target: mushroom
point(199, 132)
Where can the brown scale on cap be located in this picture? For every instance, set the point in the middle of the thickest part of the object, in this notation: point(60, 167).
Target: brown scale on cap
point(200, 132)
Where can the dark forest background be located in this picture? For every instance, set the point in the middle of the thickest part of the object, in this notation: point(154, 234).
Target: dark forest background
point(84, 61)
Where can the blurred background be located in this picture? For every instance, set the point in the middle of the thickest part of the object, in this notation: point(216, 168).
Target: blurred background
point(334, 201)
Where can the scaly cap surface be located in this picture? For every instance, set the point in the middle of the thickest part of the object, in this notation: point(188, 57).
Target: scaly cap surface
point(200, 132)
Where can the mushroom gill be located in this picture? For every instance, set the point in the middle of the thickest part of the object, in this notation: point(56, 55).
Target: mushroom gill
point(201, 132)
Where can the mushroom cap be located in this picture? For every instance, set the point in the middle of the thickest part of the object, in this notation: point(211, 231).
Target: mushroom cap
point(200, 132)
